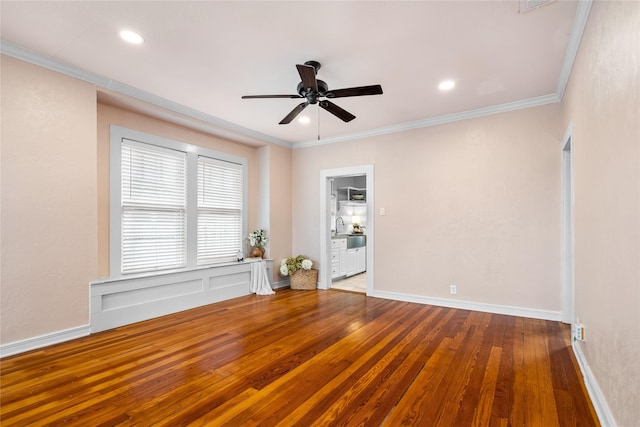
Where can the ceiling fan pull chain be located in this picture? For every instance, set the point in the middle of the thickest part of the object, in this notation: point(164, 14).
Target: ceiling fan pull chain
point(318, 123)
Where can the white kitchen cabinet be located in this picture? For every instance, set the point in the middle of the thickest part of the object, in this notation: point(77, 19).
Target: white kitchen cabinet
point(356, 261)
point(362, 260)
point(343, 261)
point(352, 262)
point(338, 257)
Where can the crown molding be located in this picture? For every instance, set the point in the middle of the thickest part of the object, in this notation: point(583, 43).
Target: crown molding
point(212, 125)
point(449, 118)
point(579, 23)
point(222, 128)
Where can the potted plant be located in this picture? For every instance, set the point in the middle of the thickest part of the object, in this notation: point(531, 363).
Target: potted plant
point(257, 241)
point(299, 270)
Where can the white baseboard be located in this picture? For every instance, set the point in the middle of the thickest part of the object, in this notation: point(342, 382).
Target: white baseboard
point(44, 340)
point(597, 398)
point(81, 331)
point(475, 306)
point(281, 284)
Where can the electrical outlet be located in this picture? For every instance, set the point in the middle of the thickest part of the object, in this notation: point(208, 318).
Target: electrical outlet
point(453, 289)
point(578, 332)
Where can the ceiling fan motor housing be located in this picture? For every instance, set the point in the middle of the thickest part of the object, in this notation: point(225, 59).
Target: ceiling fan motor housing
point(314, 64)
point(311, 95)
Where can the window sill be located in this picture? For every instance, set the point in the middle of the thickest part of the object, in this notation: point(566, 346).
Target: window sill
point(162, 273)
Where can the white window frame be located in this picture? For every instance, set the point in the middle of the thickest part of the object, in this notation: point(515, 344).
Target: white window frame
point(153, 195)
point(217, 205)
point(117, 134)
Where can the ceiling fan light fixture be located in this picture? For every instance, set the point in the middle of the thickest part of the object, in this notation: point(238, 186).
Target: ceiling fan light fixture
point(131, 37)
point(312, 90)
point(447, 85)
point(305, 120)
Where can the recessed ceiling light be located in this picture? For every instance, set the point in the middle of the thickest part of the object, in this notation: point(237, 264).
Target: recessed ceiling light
point(447, 85)
point(305, 120)
point(131, 37)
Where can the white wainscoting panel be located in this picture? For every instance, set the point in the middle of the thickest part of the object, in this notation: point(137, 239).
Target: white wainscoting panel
point(128, 300)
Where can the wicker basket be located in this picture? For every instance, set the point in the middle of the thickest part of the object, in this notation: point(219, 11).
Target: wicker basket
point(304, 279)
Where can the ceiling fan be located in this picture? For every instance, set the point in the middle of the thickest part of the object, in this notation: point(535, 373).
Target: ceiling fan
point(313, 89)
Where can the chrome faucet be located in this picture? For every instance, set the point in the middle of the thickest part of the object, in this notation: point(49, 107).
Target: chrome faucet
point(339, 219)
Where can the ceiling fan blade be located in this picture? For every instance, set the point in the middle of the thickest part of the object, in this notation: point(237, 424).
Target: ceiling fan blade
point(340, 113)
point(292, 115)
point(270, 96)
point(355, 91)
point(308, 76)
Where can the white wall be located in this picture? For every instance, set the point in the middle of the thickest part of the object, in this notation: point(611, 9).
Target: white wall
point(602, 101)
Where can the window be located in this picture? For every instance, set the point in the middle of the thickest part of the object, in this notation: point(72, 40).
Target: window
point(154, 205)
point(173, 205)
point(219, 210)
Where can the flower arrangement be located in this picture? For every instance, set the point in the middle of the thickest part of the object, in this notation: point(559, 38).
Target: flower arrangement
point(258, 238)
point(291, 265)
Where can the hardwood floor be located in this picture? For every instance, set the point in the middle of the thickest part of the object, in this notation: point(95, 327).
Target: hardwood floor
point(305, 358)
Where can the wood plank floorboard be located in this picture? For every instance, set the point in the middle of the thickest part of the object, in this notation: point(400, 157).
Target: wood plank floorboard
point(304, 358)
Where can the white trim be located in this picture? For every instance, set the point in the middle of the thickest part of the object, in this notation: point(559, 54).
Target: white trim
point(533, 313)
point(579, 23)
point(567, 228)
point(449, 118)
point(281, 284)
point(216, 126)
point(32, 57)
point(324, 276)
point(593, 389)
point(44, 340)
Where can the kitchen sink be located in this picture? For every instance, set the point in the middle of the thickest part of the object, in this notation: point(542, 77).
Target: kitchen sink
point(356, 241)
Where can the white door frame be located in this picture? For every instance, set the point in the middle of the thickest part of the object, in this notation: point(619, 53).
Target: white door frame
point(325, 217)
point(568, 264)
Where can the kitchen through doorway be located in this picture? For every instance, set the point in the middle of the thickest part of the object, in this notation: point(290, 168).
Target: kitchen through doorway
point(348, 233)
point(347, 229)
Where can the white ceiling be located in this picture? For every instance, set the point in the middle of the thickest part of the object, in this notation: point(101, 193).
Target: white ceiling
point(205, 55)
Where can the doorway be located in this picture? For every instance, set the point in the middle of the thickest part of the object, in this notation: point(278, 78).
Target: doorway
point(568, 289)
point(330, 211)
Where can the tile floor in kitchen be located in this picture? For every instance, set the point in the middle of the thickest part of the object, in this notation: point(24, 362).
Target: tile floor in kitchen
point(357, 283)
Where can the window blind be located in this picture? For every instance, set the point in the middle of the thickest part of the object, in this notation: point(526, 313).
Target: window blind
point(154, 222)
point(220, 197)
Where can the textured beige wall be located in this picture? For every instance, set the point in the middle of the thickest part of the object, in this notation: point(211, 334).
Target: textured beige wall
point(473, 203)
point(55, 219)
point(49, 247)
point(602, 101)
point(280, 205)
point(110, 115)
